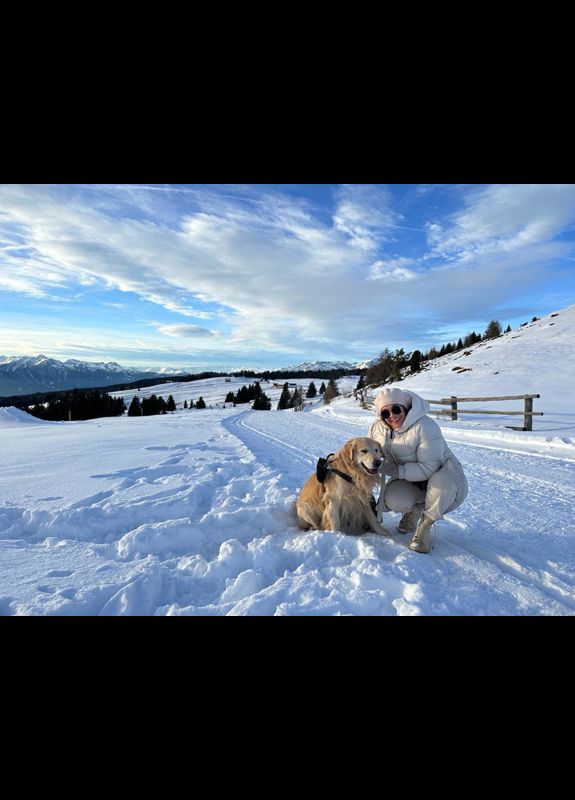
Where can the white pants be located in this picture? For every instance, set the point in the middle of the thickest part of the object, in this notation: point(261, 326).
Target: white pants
point(441, 496)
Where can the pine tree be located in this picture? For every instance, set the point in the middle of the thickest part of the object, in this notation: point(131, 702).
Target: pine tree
point(508, 329)
point(135, 407)
point(360, 384)
point(330, 392)
point(185, 403)
point(285, 398)
point(201, 403)
point(383, 369)
point(311, 390)
point(262, 403)
point(296, 401)
point(493, 330)
point(415, 361)
point(322, 388)
point(333, 385)
point(170, 405)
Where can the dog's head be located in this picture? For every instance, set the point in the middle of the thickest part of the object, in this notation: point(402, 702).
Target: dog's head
point(363, 454)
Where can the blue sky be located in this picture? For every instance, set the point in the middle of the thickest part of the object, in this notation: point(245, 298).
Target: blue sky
point(227, 276)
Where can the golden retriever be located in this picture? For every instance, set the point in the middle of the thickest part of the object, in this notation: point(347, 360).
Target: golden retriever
point(336, 504)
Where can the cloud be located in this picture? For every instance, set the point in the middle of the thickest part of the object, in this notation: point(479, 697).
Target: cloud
point(393, 270)
point(365, 215)
point(502, 219)
point(275, 273)
point(184, 331)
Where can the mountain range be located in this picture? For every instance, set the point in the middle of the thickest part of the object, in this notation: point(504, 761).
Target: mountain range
point(320, 366)
point(29, 374)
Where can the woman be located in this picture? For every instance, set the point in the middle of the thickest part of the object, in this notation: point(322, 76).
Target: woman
point(427, 480)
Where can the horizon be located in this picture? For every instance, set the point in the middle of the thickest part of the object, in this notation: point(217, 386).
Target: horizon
point(213, 277)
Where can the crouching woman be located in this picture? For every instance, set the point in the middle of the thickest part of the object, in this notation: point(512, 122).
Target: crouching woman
point(426, 479)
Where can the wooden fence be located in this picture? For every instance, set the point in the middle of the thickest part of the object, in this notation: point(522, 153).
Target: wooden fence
point(527, 412)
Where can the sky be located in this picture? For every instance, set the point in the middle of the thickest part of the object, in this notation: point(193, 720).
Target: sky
point(232, 276)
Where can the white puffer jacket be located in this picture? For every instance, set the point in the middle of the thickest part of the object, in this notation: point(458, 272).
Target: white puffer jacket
point(418, 447)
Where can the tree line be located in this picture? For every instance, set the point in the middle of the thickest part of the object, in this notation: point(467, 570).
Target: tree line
point(79, 405)
point(390, 366)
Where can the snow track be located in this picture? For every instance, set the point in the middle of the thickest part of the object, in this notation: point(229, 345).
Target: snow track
point(194, 514)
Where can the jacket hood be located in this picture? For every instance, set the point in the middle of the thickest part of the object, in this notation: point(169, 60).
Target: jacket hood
point(419, 408)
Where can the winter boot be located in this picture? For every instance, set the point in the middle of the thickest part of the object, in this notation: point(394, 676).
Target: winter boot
point(409, 521)
point(421, 542)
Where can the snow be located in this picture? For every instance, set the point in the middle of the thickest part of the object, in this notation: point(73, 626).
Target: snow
point(11, 416)
point(193, 513)
point(534, 359)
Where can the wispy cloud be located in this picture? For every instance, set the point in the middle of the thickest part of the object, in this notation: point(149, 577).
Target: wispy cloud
point(272, 271)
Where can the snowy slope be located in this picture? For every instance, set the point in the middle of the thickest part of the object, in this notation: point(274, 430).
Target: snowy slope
point(15, 417)
point(215, 390)
point(538, 358)
point(193, 513)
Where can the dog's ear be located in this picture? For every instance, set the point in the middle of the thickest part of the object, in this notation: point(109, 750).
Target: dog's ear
point(346, 453)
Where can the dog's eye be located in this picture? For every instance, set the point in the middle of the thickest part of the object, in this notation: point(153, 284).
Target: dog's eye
point(364, 451)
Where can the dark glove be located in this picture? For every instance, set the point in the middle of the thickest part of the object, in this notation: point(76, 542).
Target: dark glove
point(391, 470)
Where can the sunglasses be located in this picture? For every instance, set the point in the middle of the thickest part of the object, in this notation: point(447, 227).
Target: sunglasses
point(395, 410)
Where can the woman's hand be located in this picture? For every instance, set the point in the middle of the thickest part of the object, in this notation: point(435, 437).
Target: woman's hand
point(389, 469)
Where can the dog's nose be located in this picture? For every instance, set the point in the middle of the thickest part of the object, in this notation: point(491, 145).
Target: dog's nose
point(376, 463)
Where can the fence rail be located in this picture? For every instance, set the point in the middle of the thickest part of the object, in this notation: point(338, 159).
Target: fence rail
point(527, 412)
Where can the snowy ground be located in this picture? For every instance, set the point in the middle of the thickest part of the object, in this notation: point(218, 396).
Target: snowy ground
point(193, 514)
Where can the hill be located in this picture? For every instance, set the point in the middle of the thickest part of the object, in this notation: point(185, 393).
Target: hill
point(536, 358)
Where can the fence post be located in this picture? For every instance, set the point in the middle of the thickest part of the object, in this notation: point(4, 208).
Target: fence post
point(528, 423)
point(453, 407)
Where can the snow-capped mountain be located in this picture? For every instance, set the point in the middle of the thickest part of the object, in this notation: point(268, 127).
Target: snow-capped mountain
point(152, 371)
point(318, 366)
point(28, 374)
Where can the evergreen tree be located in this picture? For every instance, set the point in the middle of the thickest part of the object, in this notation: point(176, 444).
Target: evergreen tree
point(201, 403)
point(153, 405)
point(262, 403)
point(360, 384)
point(135, 407)
point(415, 361)
point(322, 388)
point(330, 392)
point(382, 370)
point(170, 405)
point(493, 330)
point(285, 398)
point(311, 390)
point(471, 339)
point(508, 329)
point(297, 401)
point(185, 403)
